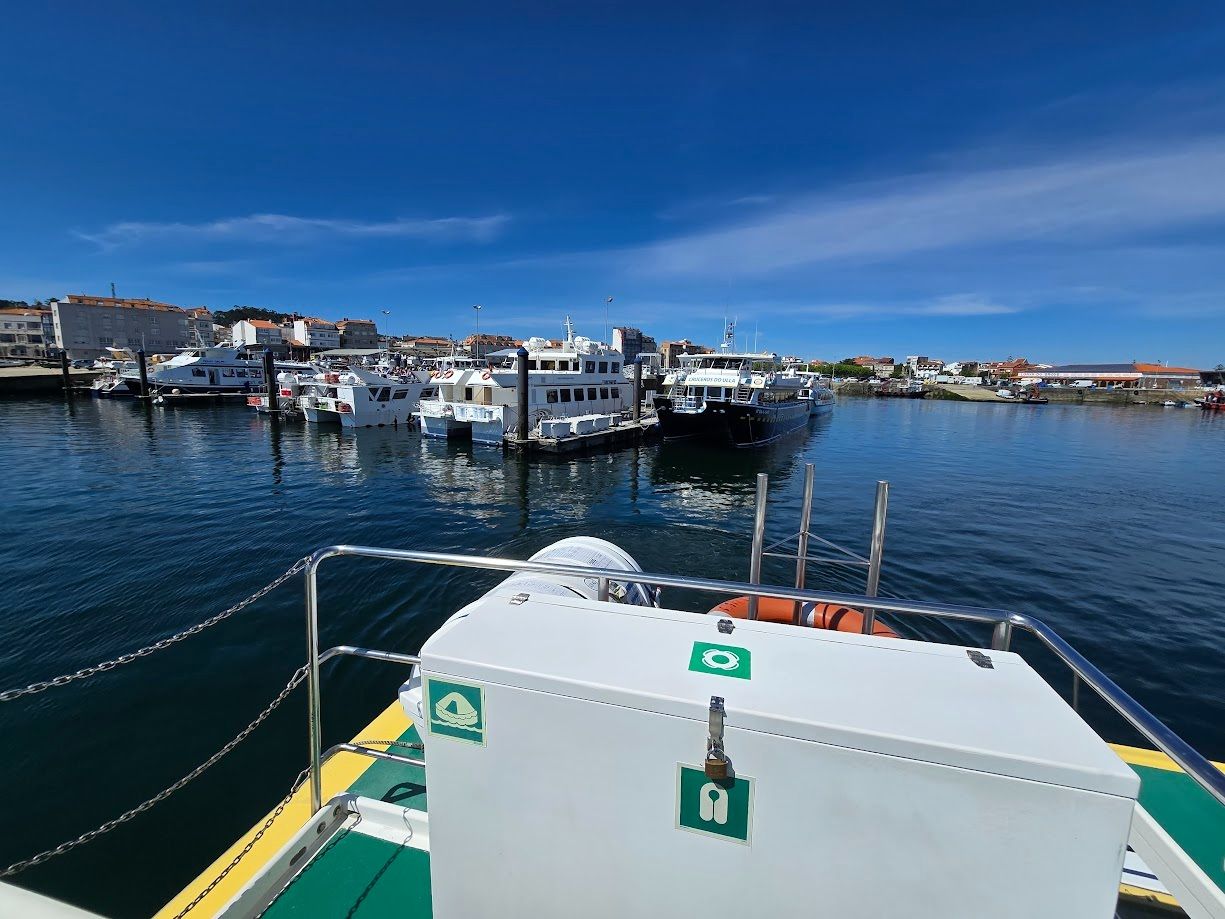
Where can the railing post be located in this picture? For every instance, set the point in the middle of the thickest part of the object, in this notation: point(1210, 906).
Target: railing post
point(1001, 636)
point(637, 388)
point(759, 539)
point(312, 684)
point(801, 562)
point(877, 552)
point(602, 595)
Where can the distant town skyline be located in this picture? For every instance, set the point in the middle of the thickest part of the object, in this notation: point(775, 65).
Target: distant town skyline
point(1038, 181)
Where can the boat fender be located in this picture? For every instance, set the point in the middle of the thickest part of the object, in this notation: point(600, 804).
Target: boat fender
point(486, 375)
point(831, 616)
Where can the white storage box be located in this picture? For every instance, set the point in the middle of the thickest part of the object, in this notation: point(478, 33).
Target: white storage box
point(599, 423)
point(874, 777)
point(555, 428)
point(584, 425)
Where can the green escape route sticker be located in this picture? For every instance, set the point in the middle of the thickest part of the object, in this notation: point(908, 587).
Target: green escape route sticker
point(456, 709)
point(723, 809)
point(721, 660)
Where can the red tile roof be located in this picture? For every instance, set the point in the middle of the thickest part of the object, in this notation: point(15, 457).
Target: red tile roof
point(122, 303)
point(1161, 368)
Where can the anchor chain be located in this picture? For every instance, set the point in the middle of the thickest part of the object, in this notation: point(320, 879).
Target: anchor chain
point(84, 673)
point(17, 867)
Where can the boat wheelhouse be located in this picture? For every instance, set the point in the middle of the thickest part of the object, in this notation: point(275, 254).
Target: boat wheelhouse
point(578, 379)
point(740, 399)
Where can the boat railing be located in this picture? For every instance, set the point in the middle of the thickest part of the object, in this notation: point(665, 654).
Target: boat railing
point(687, 403)
point(1003, 624)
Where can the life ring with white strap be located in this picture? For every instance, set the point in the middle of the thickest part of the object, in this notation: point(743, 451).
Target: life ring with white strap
point(487, 375)
point(448, 374)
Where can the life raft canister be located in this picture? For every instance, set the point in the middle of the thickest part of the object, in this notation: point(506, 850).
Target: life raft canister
point(829, 616)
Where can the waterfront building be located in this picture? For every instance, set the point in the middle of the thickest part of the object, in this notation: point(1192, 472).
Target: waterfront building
point(358, 333)
point(85, 326)
point(1134, 375)
point(482, 344)
point(922, 367)
point(671, 351)
point(311, 334)
point(880, 366)
point(258, 333)
point(22, 333)
point(423, 346)
point(1010, 369)
point(631, 342)
point(200, 327)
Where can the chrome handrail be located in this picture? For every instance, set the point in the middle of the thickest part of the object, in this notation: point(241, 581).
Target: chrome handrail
point(1003, 622)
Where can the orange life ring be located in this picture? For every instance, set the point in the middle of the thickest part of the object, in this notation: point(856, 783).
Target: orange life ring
point(487, 375)
point(448, 374)
point(815, 615)
point(434, 374)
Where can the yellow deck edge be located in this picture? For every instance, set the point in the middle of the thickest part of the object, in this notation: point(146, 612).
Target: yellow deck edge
point(339, 773)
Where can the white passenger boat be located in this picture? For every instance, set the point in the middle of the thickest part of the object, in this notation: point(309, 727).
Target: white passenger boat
point(580, 381)
point(353, 398)
point(820, 398)
point(211, 370)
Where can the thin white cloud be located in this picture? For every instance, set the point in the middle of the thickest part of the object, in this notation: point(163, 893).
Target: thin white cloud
point(1091, 197)
point(286, 229)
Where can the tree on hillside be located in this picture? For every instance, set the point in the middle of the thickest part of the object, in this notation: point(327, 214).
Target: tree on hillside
point(234, 314)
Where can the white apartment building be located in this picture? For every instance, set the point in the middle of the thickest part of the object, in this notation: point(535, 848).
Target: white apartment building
point(200, 326)
point(924, 368)
point(257, 333)
point(86, 326)
point(315, 334)
point(22, 334)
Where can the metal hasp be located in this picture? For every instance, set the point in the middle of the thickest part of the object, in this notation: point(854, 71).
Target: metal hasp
point(801, 557)
point(144, 373)
point(759, 538)
point(877, 552)
point(521, 366)
point(66, 372)
point(637, 388)
point(718, 766)
point(274, 402)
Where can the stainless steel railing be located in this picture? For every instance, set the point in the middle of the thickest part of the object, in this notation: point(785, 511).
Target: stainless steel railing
point(1003, 624)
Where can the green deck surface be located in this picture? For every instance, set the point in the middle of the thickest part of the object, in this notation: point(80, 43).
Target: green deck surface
point(357, 875)
point(395, 783)
point(1189, 814)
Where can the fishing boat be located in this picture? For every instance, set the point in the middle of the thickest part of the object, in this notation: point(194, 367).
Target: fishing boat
point(820, 398)
point(1213, 401)
point(579, 380)
point(731, 398)
point(353, 398)
point(568, 744)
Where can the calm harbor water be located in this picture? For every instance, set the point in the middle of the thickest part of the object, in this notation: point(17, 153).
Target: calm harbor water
point(123, 525)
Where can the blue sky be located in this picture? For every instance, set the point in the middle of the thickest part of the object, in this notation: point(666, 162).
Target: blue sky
point(962, 180)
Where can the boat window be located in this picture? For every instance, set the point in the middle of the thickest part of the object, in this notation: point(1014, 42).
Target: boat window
point(603, 366)
point(531, 364)
point(616, 392)
point(590, 367)
point(548, 365)
point(551, 395)
point(256, 373)
point(384, 393)
point(603, 392)
point(578, 394)
point(427, 392)
point(591, 393)
point(565, 395)
point(467, 393)
point(616, 366)
point(196, 372)
point(241, 373)
point(400, 394)
point(227, 371)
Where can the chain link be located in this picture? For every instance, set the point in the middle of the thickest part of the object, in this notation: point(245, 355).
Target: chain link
point(298, 676)
point(84, 673)
point(259, 834)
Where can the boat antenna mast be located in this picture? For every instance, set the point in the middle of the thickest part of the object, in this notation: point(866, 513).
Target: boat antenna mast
point(569, 331)
point(729, 335)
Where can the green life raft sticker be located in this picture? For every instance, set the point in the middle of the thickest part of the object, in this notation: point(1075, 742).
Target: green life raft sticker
point(723, 809)
point(456, 710)
point(721, 660)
